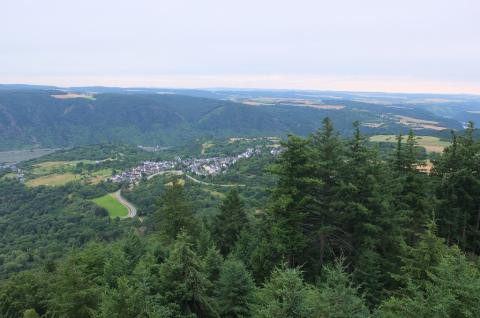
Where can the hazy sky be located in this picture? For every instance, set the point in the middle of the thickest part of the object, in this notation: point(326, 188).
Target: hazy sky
point(381, 45)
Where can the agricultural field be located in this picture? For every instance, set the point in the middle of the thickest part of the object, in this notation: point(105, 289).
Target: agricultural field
point(57, 173)
point(56, 179)
point(73, 95)
point(56, 166)
point(430, 143)
point(114, 208)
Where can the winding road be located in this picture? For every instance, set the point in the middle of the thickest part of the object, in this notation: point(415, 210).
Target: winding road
point(132, 210)
point(214, 184)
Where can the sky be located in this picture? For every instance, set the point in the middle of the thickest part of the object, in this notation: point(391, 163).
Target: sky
point(357, 45)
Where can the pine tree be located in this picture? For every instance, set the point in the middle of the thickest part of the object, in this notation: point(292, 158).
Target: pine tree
point(230, 222)
point(234, 290)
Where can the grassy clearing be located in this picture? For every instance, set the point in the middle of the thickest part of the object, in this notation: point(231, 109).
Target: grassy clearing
point(179, 181)
point(99, 176)
point(55, 166)
point(58, 179)
point(205, 147)
point(419, 123)
point(214, 194)
point(114, 208)
point(430, 143)
point(55, 179)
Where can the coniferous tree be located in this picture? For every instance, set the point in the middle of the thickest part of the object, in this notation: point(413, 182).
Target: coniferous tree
point(371, 226)
point(458, 192)
point(234, 290)
point(183, 283)
point(412, 200)
point(174, 213)
point(75, 295)
point(229, 223)
point(323, 222)
point(124, 301)
point(286, 295)
point(338, 297)
point(284, 233)
point(30, 313)
point(439, 282)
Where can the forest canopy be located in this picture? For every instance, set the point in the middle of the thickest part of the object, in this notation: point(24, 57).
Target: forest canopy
point(345, 232)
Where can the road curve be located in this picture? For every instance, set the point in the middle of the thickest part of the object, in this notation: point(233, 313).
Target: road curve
point(132, 210)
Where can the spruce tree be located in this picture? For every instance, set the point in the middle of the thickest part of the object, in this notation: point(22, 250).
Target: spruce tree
point(229, 223)
point(286, 295)
point(234, 290)
point(174, 213)
point(284, 233)
point(458, 192)
point(338, 297)
point(184, 285)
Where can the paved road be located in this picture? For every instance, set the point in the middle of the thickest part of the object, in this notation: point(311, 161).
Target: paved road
point(177, 172)
point(213, 184)
point(132, 210)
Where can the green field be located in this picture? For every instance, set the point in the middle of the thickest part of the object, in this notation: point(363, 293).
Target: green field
point(114, 208)
point(49, 167)
point(430, 143)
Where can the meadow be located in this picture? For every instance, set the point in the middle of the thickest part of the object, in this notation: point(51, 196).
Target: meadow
point(430, 143)
point(57, 173)
point(114, 208)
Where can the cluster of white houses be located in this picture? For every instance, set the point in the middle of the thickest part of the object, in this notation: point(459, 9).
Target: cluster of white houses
point(201, 166)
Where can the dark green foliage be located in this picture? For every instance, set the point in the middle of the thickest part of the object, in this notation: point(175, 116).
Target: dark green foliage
point(153, 119)
point(74, 292)
point(286, 295)
point(338, 298)
point(122, 302)
point(440, 282)
point(347, 232)
point(234, 290)
point(289, 200)
point(38, 225)
point(458, 192)
point(183, 284)
point(229, 223)
point(174, 214)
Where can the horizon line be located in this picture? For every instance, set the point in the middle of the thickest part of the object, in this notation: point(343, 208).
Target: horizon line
point(352, 84)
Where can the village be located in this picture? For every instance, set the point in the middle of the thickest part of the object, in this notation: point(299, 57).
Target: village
point(198, 166)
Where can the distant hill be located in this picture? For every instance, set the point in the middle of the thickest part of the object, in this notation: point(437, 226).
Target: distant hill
point(36, 116)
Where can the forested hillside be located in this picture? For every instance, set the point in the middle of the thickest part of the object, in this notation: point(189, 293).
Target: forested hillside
point(344, 232)
point(47, 118)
